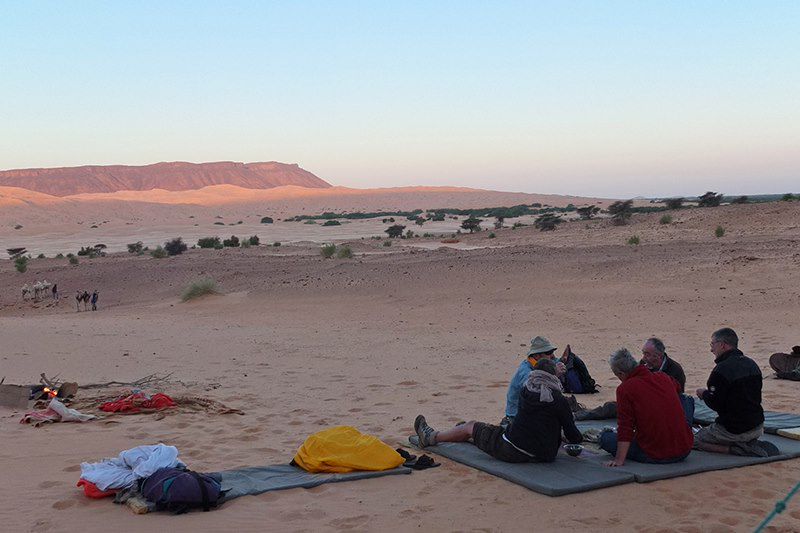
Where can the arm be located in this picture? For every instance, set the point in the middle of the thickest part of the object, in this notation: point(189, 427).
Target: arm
point(571, 432)
point(716, 396)
point(512, 396)
point(622, 453)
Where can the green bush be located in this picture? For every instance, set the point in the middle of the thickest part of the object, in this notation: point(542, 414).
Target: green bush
point(159, 253)
point(276, 243)
point(634, 240)
point(73, 260)
point(254, 240)
point(492, 235)
point(40, 256)
point(266, 220)
point(345, 252)
point(219, 246)
point(233, 242)
point(135, 247)
point(59, 255)
point(219, 223)
point(176, 246)
point(387, 243)
point(310, 222)
point(719, 232)
point(332, 223)
point(21, 264)
point(86, 250)
point(199, 288)
point(666, 219)
point(208, 242)
point(328, 250)
point(788, 197)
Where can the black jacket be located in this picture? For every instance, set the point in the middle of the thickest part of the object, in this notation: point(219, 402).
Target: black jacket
point(589, 385)
point(537, 426)
point(672, 368)
point(734, 392)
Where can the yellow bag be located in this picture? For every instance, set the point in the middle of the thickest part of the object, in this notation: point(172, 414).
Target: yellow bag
point(345, 449)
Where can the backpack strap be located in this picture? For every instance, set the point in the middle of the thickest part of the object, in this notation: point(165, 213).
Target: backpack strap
point(203, 489)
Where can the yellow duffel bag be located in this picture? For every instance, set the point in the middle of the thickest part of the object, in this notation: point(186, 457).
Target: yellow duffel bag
point(345, 449)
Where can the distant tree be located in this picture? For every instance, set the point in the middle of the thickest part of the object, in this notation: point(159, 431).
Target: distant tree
point(233, 242)
point(135, 247)
point(621, 211)
point(471, 224)
point(176, 246)
point(674, 203)
point(332, 223)
point(412, 216)
point(438, 217)
point(254, 240)
point(548, 222)
point(586, 213)
point(395, 231)
point(498, 221)
point(788, 197)
point(709, 199)
point(740, 200)
point(419, 221)
point(266, 220)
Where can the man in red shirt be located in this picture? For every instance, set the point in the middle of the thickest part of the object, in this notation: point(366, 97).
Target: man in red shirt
point(651, 425)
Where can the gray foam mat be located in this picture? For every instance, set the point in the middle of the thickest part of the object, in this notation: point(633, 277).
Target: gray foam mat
point(258, 479)
point(565, 475)
point(773, 420)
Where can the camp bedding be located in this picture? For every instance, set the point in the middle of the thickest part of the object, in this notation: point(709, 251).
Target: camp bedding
point(258, 479)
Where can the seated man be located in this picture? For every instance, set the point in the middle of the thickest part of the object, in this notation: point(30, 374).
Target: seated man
point(734, 392)
point(576, 378)
point(535, 434)
point(651, 427)
point(654, 357)
point(541, 348)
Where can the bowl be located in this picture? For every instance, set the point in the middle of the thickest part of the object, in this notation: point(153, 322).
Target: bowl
point(573, 450)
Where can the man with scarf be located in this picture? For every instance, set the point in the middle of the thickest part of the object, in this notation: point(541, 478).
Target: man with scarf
point(535, 435)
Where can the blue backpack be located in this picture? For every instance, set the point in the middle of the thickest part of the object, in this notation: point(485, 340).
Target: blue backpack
point(178, 490)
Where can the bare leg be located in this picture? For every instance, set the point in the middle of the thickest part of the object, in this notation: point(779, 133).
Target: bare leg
point(460, 433)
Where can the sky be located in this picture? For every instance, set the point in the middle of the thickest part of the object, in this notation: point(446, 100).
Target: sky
point(591, 98)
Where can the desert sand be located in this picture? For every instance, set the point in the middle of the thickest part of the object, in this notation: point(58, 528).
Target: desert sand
point(301, 343)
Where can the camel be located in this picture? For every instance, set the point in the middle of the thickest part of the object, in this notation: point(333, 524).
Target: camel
point(82, 297)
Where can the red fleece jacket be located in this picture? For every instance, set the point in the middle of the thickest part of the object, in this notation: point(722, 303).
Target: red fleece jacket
point(648, 409)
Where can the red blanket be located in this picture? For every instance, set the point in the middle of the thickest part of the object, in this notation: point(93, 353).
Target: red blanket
point(136, 402)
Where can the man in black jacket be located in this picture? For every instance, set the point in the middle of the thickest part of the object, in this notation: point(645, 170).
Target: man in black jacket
point(734, 392)
point(535, 434)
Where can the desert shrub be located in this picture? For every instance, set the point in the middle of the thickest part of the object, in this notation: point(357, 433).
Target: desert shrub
point(471, 224)
point(666, 219)
point(135, 247)
point(70, 255)
point(426, 234)
point(21, 264)
point(548, 222)
point(276, 243)
point(719, 232)
point(176, 246)
point(344, 252)
point(492, 235)
point(86, 250)
point(586, 213)
point(709, 199)
point(394, 231)
point(40, 256)
point(233, 242)
point(674, 203)
point(740, 200)
point(219, 246)
point(621, 211)
point(18, 226)
point(266, 220)
point(245, 243)
point(331, 223)
point(199, 288)
point(438, 217)
point(159, 253)
point(634, 240)
point(788, 197)
point(219, 223)
point(254, 240)
point(59, 255)
point(208, 242)
point(73, 260)
point(310, 222)
point(328, 250)
point(419, 221)
point(409, 234)
point(387, 243)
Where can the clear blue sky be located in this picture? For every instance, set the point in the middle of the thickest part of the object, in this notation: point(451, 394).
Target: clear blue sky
point(587, 97)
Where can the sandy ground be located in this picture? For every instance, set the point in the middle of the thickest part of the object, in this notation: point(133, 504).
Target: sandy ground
point(302, 343)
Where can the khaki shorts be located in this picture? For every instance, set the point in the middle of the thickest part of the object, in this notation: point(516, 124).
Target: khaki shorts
point(717, 434)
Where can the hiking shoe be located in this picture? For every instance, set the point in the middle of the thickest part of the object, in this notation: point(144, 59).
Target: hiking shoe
point(426, 434)
point(753, 448)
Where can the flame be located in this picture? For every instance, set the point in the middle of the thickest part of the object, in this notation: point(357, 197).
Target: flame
point(51, 392)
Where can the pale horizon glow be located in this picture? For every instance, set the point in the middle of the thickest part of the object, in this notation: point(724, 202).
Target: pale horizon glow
point(610, 99)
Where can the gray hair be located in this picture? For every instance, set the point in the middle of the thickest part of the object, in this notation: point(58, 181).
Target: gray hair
point(726, 335)
point(658, 344)
point(622, 362)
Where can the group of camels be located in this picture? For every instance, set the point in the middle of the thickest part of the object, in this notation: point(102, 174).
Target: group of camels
point(38, 290)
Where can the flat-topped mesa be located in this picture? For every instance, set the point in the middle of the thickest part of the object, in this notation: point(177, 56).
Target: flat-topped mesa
point(173, 176)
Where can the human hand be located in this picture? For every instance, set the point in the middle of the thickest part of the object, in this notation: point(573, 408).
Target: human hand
point(700, 393)
point(615, 462)
point(561, 369)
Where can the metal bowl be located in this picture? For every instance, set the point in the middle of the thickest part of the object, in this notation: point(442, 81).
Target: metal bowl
point(573, 449)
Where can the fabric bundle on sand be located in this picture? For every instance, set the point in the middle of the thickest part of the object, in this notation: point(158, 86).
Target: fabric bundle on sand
point(138, 402)
point(345, 449)
point(123, 471)
point(55, 412)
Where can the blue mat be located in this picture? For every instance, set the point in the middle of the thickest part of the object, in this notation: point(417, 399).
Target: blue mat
point(259, 479)
point(773, 420)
